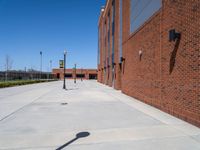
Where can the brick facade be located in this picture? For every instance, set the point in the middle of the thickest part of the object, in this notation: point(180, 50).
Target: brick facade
point(167, 74)
point(79, 73)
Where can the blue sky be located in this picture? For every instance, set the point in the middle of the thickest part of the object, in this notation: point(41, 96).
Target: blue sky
point(30, 26)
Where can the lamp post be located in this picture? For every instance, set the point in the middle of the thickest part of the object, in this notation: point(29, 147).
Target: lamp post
point(51, 68)
point(75, 73)
point(81, 74)
point(65, 53)
point(40, 64)
point(50, 65)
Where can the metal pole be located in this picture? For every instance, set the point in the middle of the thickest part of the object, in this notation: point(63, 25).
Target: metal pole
point(40, 64)
point(75, 73)
point(64, 86)
point(50, 65)
point(6, 74)
point(50, 68)
point(81, 74)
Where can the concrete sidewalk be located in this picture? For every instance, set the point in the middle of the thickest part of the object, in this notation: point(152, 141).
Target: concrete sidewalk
point(44, 116)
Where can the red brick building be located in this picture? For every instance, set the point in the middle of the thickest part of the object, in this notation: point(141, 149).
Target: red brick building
point(78, 73)
point(150, 50)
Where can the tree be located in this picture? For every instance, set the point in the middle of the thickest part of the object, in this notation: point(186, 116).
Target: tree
point(8, 65)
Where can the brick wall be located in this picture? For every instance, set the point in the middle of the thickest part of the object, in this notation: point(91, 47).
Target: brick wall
point(59, 73)
point(167, 75)
point(180, 68)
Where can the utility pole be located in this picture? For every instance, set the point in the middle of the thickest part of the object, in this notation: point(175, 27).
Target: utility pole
point(75, 73)
point(65, 53)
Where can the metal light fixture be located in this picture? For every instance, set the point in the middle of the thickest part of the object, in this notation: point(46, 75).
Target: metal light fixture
point(122, 59)
point(173, 35)
point(102, 8)
point(140, 54)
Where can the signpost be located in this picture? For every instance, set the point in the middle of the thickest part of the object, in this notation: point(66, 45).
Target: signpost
point(63, 65)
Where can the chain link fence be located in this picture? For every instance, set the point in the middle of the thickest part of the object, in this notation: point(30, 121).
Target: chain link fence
point(23, 75)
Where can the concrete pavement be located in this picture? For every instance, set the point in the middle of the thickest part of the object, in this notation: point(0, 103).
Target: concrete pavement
point(46, 117)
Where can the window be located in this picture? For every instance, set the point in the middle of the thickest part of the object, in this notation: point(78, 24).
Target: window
point(120, 30)
point(104, 32)
point(98, 53)
point(141, 11)
point(108, 34)
point(113, 30)
point(68, 75)
point(80, 75)
point(92, 76)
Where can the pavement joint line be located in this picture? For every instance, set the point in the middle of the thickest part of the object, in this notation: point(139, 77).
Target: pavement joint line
point(23, 91)
point(132, 107)
point(131, 98)
point(19, 93)
point(94, 143)
point(96, 131)
point(194, 138)
point(7, 116)
point(25, 148)
point(191, 136)
point(89, 143)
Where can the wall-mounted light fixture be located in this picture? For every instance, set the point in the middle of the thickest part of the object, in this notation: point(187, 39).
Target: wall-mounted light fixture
point(122, 59)
point(102, 8)
point(140, 54)
point(173, 35)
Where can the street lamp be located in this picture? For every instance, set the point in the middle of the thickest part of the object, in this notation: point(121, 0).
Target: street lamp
point(65, 53)
point(50, 69)
point(75, 73)
point(40, 64)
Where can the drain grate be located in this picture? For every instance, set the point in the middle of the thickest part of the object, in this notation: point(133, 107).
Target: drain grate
point(64, 103)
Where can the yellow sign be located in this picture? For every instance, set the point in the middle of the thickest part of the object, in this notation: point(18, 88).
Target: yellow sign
point(61, 62)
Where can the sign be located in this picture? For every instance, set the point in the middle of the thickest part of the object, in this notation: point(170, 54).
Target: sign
point(61, 63)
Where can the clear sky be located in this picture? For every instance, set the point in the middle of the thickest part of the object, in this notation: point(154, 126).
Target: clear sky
point(30, 26)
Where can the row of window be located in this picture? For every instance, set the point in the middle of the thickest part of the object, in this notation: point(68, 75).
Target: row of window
point(69, 75)
point(141, 11)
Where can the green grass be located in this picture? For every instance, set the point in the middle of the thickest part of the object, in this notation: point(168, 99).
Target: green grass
point(21, 82)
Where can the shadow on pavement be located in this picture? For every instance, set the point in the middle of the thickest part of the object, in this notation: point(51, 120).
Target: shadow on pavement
point(78, 135)
point(71, 89)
